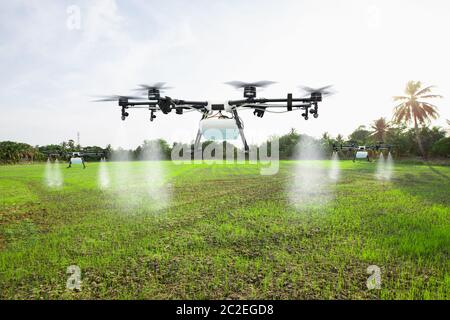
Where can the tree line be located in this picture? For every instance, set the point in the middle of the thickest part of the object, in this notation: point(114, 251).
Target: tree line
point(409, 132)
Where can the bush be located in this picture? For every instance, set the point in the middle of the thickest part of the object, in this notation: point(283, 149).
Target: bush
point(441, 148)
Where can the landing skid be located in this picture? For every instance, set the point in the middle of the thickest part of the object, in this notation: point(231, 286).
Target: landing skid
point(197, 144)
point(241, 130)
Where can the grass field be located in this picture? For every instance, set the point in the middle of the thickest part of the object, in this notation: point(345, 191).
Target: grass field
point(225, 231)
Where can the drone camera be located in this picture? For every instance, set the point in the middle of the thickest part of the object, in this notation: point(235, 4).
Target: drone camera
point(179, 110)
point(250, 92)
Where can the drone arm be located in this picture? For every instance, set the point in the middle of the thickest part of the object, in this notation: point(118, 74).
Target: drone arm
point(194, 104)
point(176, 102)
point(137, 104)
point(265, 100)
point(341, 147)
point(166, 105)
point(309, 105)
point(260, 105)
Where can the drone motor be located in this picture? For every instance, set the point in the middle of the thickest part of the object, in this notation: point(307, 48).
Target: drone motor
point(316, 96)
point(153, 94)
point(250, 92)
point(153, 90)
point(123, 101)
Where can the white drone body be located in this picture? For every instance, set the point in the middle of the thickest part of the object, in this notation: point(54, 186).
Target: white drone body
point(76, 160)
point(361, 155)
point(219, 126)
point(219, 129)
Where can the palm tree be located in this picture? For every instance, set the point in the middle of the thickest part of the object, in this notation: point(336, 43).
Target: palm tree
point(380, 128)
point(413, 108)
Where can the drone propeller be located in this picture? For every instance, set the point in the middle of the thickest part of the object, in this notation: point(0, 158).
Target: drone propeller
point(324, 91)
point(250, 87)
point(153, 90)
point(161, 86)
point(116, 98)
point(257, 84)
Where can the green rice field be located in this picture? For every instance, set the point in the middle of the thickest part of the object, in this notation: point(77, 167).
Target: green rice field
point(223, 232)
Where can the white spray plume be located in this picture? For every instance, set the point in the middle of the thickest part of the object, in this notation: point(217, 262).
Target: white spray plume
point(379, 173)
point(103, 175)
point(53, 176)
point(335, 173)
point(384, 167)
point(154, 174)
point(311, 185)
point(139, 186)
point(388, 167)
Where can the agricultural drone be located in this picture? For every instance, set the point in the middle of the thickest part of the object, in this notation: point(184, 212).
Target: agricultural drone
point(362, 152)
point(76, 157)
point(220, 120)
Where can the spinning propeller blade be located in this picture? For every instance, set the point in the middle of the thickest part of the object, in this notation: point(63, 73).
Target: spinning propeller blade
point(161, 86)
point(116, 98)
point(257, 84)
point(324, 91)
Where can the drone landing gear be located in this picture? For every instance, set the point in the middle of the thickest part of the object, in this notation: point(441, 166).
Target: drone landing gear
point(197, 144)
point(241, 131)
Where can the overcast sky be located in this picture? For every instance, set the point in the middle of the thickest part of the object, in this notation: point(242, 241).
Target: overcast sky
point(368, 49)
